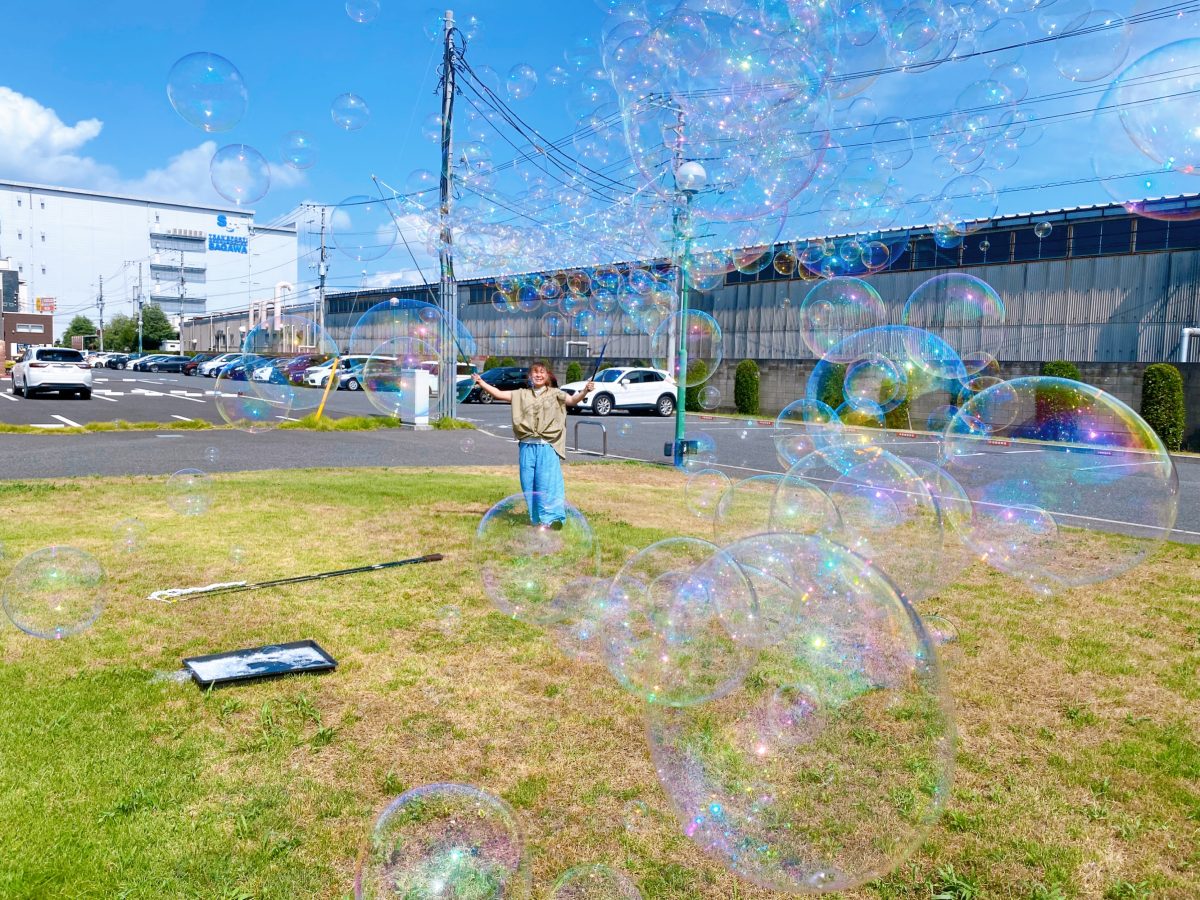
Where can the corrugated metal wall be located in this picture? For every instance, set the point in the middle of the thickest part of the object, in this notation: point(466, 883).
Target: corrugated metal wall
point(1129, 308)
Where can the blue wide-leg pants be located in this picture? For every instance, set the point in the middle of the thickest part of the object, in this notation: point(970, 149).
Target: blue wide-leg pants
point(542, 483)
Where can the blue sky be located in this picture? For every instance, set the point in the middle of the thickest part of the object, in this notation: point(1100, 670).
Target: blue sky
point(83, 99)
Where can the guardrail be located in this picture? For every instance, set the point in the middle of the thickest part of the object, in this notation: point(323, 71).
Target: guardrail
point(603, 432)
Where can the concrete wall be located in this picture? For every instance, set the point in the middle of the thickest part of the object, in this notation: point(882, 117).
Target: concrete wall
point(782, 382)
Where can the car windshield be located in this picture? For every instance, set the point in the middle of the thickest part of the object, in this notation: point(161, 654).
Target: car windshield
point(609, 375)
point(68, 356)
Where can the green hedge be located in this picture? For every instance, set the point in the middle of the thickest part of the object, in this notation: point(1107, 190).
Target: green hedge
point(898, 418)
point(491, 363)
point(832, 386)
point(574, 372)
point(1060, 368)
point(745, 387)
point(508, 361)
point(1162, 403)
point(697, 372)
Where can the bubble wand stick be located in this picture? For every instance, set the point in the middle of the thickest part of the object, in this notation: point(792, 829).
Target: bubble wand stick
point(170, 595)
point(600, 360)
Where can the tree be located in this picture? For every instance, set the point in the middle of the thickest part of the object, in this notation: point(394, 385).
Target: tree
point(508, 361)
point(156, 327)
point(574, 372)
point(490, 363)
point(121, 334)
point(81, 326)
point(1162, 403)
point(745, 387)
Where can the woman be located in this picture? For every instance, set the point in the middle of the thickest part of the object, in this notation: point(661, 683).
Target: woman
point(539, 421)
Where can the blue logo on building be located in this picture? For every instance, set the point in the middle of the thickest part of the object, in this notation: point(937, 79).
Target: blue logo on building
point(226, 244)
point(221, 221)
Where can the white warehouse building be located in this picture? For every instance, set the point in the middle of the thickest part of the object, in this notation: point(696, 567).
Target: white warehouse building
point(187, 258)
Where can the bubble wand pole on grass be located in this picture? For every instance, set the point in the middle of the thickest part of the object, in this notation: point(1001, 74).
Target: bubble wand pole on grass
point(170, 595)
point(328, 386)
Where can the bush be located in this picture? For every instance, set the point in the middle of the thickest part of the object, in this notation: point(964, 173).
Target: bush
point(1055, 405)
point(1060, 368)
point(640, 364)
point(698, 373)
point(491, 363)
point(898, 418)
point(1162, 403)
point(508, 361)
point(745, 387)
point(574, 372)
point(832, 385)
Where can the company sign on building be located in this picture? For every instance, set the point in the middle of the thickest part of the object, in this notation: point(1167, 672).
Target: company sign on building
point(227, 239)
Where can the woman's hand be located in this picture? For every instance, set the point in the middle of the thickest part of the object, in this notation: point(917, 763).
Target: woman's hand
point(476, 378)
point(588, 388)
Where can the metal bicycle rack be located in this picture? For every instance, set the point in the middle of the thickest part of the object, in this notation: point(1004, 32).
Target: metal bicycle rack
point(603, 432)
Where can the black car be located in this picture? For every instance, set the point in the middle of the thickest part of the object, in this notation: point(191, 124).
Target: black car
point(240, 369)
point(117, 361)
point(504, 378)
point(189, 368)
point(165, 364)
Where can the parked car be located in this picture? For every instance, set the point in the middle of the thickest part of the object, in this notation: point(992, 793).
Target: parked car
point(504, 378)
point(318, 376)
point(162, 364)
point(297, 366)
point(189, 368)
point(629, 389)
point(240, 368)
point(117, 361)
point(212, 367)
point(52, 369)
point(143, 364)
point(271, 369)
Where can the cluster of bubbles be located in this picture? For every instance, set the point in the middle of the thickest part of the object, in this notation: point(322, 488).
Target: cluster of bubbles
point(800, 635)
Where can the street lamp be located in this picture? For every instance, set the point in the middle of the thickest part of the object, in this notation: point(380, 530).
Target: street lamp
point(690, 178)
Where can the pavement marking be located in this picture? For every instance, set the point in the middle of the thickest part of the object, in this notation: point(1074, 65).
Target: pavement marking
point(182, 418)
point(181, 397)
point(65, 420)
point(1020, 451)
point(109, 393)
point(40, 425)
point(287, 418)
point(100, 396)
point(10, 397)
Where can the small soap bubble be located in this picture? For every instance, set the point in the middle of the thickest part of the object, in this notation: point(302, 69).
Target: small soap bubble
point(350, 112)
point(130, 534)
point(237, 555)
point(466, 445)
point(189, 492)
point(362, 11)
point(212, 454)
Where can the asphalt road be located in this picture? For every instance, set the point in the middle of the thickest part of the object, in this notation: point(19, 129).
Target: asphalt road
point(741, 447)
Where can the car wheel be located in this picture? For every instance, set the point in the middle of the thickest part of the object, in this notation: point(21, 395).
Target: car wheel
point(19, 391)
point(666, 405)
point(154, 368)
point(603, 404)
point(86, 395)
point(485, 397)
point(352, 384)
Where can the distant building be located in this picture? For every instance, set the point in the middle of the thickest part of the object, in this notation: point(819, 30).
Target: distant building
point(19, 329)
point(62, 241)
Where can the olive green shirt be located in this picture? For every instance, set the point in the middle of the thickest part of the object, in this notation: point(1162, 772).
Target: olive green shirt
point(541, 416)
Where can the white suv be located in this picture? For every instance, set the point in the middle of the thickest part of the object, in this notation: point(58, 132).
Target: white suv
point(627, 388)
point(52, 369)
point(213, 367)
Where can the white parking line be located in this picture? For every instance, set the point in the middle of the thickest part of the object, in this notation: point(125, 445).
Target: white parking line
point(100, 396)
point(287, 418)
point(40, 425)
point(65, 420)
point(10, 397)
point(182, 418)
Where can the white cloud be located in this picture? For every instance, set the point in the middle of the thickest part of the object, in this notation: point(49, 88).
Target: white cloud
point(36, 145)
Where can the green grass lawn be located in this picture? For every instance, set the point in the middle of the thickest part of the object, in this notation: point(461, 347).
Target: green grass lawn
point(1078, 771)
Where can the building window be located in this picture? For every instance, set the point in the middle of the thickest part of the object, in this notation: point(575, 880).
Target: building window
point(31, 328)
point(156, 218)
point(20, 235)
point(18, 203)
point(43, 204)
point(43, 270)
point(43, 237)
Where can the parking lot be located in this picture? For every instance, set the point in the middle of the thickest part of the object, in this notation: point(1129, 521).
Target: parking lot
point(146, 397)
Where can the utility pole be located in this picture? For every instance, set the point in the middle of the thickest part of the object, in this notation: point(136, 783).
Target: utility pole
point(100, 301)
point(448, 362)
point(140, 301)
point(322, 271)
point(182, 290)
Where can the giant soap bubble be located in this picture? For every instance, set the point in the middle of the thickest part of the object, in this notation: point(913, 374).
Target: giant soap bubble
point(207, 91)
point(850, 694)
point(363, 228)
point(240, 174)
point(1090, 462)
point(450, 841)
point(686, 617)
point(963, 310)
point(835, 309)
point(525, 559)
point(54, 593)
point(702, 342)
